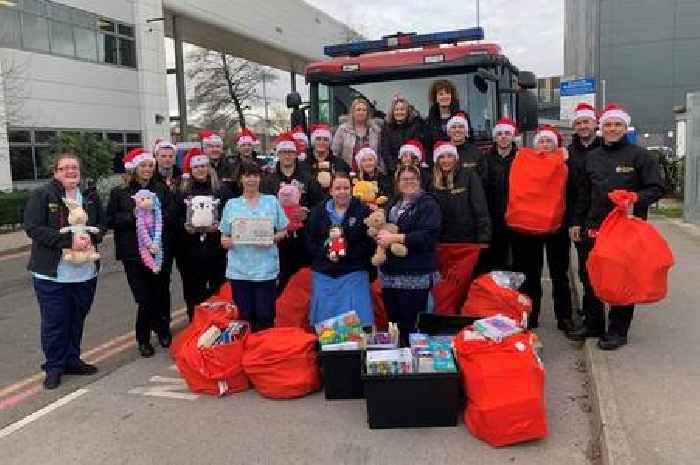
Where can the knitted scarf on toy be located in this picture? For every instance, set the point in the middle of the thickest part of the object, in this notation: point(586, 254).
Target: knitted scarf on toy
point(149, 229)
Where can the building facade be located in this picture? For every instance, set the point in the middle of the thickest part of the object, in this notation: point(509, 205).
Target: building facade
point(646, 51)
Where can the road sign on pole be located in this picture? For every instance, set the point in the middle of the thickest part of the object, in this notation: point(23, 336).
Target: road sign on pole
point(573, 92)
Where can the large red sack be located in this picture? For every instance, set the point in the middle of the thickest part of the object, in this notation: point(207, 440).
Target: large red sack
point(487, 298)
point(630, 260)
point(381, 319)
point(292, 306)
point(536, 192)
point(225, 292)
point(214, 310)
point(456, 263)
point(504, 384)
point(281, 362)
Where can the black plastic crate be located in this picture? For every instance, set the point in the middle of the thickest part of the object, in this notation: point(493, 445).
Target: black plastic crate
point(411, 400)
point(435, 325)
point(342, 374)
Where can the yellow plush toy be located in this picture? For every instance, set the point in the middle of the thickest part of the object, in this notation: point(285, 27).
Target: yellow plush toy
point(367, 192)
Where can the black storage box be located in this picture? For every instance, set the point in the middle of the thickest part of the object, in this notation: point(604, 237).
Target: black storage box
point(412, 400)
point(342, 371)
point(435, 325)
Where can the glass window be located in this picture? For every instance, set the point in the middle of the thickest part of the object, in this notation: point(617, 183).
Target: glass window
point(105, 25)
point(85, 43)
point(108, 48)
point(116, 137)
point(44, 137)
point(133, 137)
point(60, 12)
point(125, 30)
point(9, 36)
point(85, 19)
point(62, 38)
point(42, 161)
point(118, 164)
point(127, 53)
point(35, 6)
point(35, 32)
point(21, 163)
point(20, 137)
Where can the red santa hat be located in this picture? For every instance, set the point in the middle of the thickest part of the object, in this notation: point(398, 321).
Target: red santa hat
point(364, 152)
point(193, 157)
point(505, 124)
point(458, 118)
point(162, 144)
point(547, 132)
point(246, 136)
point(444, 148)
point(210, 138)
point(299, 135)
point(412, 147)
point(285, 141)
point(615, 111)
point(135, 157)
point(584, 110)
point(320, 130)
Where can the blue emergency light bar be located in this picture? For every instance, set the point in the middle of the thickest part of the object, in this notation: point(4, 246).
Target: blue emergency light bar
point(404, 40)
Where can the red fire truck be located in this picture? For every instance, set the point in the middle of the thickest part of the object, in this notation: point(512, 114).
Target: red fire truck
point(489, 85)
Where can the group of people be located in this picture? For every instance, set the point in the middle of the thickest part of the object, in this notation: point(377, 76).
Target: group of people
point(433, 185)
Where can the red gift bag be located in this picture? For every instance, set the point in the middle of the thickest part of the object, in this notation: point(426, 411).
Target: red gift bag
point(504, 384)
point(292, 306)
point(281, 363)
point(456, 263)
point(214, 310)
point(630, 260)
point(488, 298)
point(381, 319)
point(536, 192)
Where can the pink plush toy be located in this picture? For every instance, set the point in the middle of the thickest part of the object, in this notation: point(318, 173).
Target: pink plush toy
point(289, 197)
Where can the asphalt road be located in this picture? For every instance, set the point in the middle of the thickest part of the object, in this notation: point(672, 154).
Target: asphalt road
point(113, 314)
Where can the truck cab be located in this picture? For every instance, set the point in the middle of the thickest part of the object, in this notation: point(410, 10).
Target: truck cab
point(489, 86)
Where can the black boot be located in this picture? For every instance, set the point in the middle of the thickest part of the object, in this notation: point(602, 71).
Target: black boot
point(165, 340)
point(52, 380)
point(566, 325)
point(146, 350)
point(611, 341)
point(80, 368)
point(582, 333)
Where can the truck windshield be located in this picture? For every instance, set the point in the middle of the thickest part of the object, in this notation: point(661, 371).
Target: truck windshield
point(476, 95)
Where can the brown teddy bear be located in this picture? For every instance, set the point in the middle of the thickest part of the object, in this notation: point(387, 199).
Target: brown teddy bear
point(376, 222)
point(77, 219)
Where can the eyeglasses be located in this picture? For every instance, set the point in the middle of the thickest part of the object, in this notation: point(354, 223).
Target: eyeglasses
point(411, 179)
point(68, 168)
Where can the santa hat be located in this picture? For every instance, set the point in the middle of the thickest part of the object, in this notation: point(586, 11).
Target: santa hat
point(363, 153)
point(458, 118)
point(505, 124)
point(299, 135)
point(412, 147)
point(547, 132)
point(246, 136)
point(285, 141)
point(193, 157)
point(210, 138)
point(614, 111)
point(444, 148)
point(320, 130)
point(135, 157)
point(584, 110)
point(162, 144)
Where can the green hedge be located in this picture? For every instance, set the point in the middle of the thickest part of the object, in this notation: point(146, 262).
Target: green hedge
point(12, 206)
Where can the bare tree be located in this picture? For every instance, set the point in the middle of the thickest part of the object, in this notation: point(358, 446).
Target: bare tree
point(12, 78)
point(224, 86)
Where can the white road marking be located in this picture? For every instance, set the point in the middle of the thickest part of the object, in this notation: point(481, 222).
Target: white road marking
point(168, 388)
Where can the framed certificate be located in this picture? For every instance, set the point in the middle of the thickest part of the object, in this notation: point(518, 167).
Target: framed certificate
point(252, 231)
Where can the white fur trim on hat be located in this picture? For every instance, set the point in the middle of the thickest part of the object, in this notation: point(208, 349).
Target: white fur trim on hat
point(285, 145)
point(245, 140)
point(457, 119)
point(546, 134)
point(504, 128)
point(364, 153)
point(320, 133)
point(410, 149)
point(214, 139)
point(164, 144)
point(300, 136)
point(199, 160)
point(616, 114)
point(585, 113)
point(444, 149)
point(141, 157)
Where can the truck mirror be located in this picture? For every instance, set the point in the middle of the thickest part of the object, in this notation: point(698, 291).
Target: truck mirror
point(527, 110)
point(486, 75)
point(527, 80)
point(293, 100)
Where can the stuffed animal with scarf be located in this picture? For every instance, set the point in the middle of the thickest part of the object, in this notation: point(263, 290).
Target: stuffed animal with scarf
point(149, 228)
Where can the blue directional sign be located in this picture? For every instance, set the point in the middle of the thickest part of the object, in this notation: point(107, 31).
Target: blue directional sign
point(577, 87)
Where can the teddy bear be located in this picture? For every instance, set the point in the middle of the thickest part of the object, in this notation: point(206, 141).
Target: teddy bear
point(367, 192)
point(324, 174)
point(289, 197)
point(77, 219)
point(336, 243)
point(376, 221)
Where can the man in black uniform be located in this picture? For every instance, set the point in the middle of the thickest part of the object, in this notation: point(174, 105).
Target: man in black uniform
point(470, 157)
point(213, 147)
point(616, 164)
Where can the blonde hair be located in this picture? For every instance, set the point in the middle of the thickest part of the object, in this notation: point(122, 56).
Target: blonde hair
point(356, 101)
point(443, 180)
point(214, 184)
point(395, 101)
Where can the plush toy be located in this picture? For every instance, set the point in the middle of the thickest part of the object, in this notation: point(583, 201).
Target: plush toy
point(149, 228)
point(336, 243)
point(77, 219)
point(324, 174)
point(202, 213)
point(289, 197)
point(367, 192)
point(376, 221)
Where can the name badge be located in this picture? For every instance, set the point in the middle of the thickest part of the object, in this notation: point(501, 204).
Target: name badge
point(458, 190)
point(53, 207)
point(624, 169)
point(469, 164)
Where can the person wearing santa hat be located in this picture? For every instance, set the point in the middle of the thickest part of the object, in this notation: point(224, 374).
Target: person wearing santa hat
point(499, 159)
point(367, 163)
point(289, 170)
point(529, 252)
point(201, 259)
point(402, 123)
point(213, 147)
point(323, 164)
point(411, 153)
point(302, 141)
point(167, 170)
point(616, 164)
point(246, 143)
point(470, 157)
point(151, 290)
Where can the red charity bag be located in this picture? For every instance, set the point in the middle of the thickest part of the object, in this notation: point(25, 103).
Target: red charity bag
point(292, 306)
point(456, 263)
point(536, 192)
point(281, 363)
point(214, 310)
point(504, 384)
point(381, 319)
point(630, 260)
point(487, 298)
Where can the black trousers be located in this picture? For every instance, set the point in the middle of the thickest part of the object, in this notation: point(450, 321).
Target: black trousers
point(403, 306)
point(201, 280)
point(151, 292)
point(528, 257)
point(499, 256)
point(256, 302)
point(619, 317)
point(294, 255)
